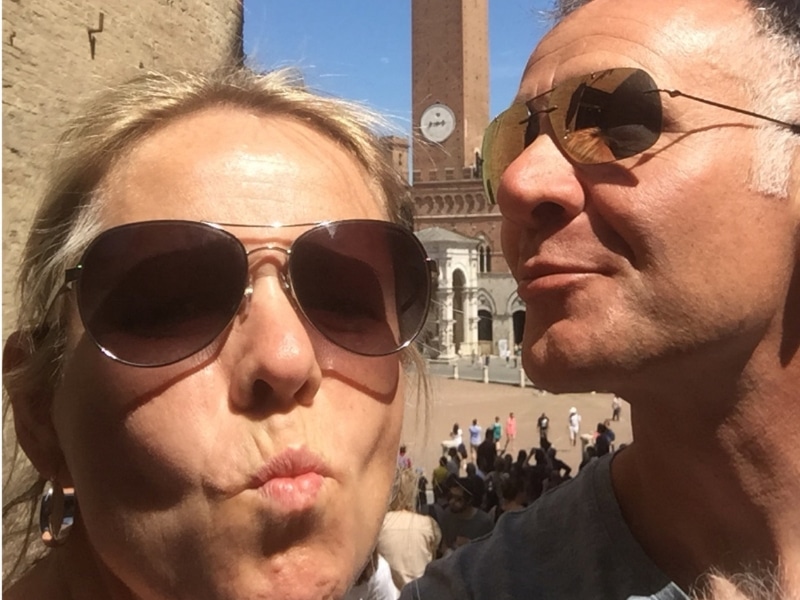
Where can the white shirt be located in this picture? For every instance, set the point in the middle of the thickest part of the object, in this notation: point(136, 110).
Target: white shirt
point(378, 587)
point(458, 438)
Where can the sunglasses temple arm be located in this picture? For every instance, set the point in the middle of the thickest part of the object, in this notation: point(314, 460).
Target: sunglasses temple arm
point(793, 127)
point(41, 330)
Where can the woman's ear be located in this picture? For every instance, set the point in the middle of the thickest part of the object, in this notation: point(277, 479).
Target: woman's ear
point(31, 402)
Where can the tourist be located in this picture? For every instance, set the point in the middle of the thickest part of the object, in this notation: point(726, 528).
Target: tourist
point(438, 478)
point(475, 432)
point(543, 425)
point(574, 425)
point(497, 433)
point(511, 433)
point(462, 521)
point(407, 540)
point(616, 408)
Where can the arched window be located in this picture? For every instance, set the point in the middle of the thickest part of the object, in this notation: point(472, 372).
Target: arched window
point(484, 257)
point(484, 326)
point(459, 283)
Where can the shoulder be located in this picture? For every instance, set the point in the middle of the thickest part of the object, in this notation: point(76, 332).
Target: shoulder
point(571, 543)
point(41, 582)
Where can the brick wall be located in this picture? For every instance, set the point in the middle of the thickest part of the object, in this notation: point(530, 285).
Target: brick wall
point(51, 62)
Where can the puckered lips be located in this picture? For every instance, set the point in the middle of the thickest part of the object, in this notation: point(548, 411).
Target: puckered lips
point(291, 480)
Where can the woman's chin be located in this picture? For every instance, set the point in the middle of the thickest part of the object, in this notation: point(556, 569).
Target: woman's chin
point(299, 574)
point(291, 586)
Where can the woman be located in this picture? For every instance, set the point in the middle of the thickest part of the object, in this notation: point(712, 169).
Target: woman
point(219, 396)
point(408, 540)
point(456, 439)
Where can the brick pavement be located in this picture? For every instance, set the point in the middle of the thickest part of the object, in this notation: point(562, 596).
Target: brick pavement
point(461, 401)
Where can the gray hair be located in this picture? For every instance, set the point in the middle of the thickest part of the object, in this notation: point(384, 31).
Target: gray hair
point(777, 24)
point(763, 584)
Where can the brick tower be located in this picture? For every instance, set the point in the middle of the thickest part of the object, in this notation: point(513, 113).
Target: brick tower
point(477, 309)
point(450, 86)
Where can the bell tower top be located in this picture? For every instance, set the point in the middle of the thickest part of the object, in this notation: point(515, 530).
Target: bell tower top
point(450, 86)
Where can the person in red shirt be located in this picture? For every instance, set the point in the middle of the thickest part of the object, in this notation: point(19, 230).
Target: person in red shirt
point(511, 433)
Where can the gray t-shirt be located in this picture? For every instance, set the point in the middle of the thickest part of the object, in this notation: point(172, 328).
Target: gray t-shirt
point(453, 527)
point(571, 544)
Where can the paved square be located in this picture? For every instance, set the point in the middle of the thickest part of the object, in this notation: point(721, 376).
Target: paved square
point(460, 401)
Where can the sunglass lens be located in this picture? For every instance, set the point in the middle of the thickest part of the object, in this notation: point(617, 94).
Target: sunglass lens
point(153, 293)
point(598, 118)
point(363, 284)
point(504, 140)
point(607, 116)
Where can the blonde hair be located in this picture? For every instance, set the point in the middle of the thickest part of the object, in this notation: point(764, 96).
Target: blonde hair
point(404, 490)
point(67, 219)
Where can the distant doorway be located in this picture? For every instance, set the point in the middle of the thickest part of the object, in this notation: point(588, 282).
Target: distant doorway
point(518, 319)
point(459, 282)
point(485, 331)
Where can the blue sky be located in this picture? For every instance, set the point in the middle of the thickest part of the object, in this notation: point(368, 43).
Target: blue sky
point(361, 49)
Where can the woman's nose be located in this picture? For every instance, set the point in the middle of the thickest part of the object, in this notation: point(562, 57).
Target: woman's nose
point(272, 357)
point(539, 189)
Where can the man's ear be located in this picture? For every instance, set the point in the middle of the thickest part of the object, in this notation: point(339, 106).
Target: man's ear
point(31, 402)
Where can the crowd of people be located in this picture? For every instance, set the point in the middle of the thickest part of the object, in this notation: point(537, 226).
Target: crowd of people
point(470, 491)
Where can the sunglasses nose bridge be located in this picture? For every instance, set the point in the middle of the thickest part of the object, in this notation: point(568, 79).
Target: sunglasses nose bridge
point(281, 265)
point(253, 266)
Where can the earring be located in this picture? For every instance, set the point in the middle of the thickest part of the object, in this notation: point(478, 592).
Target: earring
point(56, 513)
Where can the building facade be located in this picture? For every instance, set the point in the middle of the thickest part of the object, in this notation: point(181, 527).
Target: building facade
point(476, 309)
point(56, 53)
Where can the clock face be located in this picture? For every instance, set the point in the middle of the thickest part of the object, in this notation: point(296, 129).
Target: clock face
point(437, 123)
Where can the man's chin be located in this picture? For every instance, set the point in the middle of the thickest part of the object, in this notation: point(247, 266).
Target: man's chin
point(566, 374)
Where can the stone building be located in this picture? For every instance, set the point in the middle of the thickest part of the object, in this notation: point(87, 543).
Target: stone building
point(477, 310)
point(58, 52)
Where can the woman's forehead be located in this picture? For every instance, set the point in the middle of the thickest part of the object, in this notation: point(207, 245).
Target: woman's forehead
point(226, 164)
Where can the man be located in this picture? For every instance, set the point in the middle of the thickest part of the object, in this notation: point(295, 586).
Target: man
point(487, 453)
point(656, 241)
point(475, 431)
point(453, 464)
point(476, 485)
point(574, 424)
point(462, 521)
point(543, 424)
point(438, 478)
point(609, 433)
point(616, 408)
point(602, 443)
point(497, 432)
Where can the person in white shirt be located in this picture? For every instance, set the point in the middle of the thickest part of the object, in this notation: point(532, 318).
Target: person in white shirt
point(574, 425)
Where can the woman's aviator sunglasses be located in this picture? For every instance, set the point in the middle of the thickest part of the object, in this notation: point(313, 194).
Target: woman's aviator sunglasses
point(598, 118)
point(153, 293)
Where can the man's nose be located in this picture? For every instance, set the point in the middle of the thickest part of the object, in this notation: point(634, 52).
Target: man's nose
point(539, 189)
